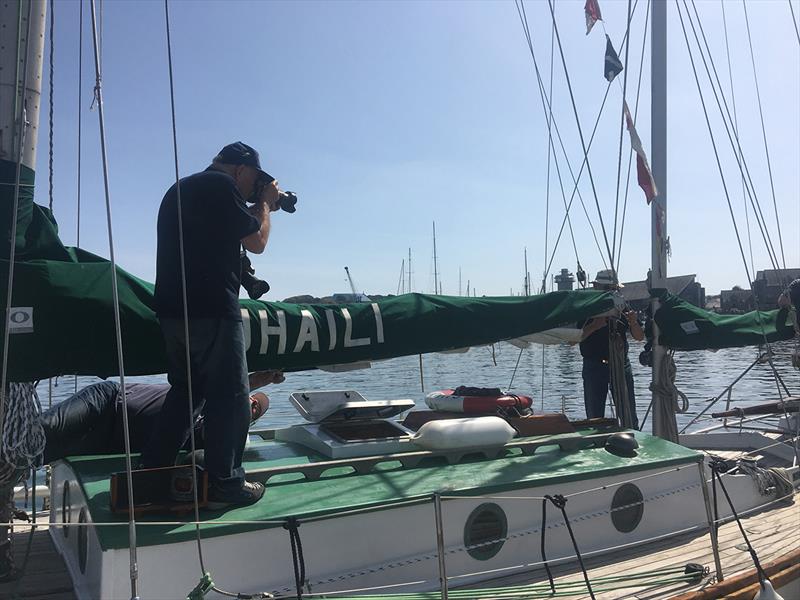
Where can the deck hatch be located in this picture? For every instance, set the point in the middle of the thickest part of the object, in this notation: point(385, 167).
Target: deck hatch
point(344, 424)
point(367, 431)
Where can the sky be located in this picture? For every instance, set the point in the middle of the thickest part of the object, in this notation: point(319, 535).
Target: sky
point(385, 117)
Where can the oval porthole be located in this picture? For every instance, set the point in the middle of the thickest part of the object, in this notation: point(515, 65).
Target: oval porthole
point(65, 509)
point(627, 508)
point(486, 523)
point(83, 546)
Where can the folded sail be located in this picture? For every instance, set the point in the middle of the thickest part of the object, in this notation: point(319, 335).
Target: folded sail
point(683, 326)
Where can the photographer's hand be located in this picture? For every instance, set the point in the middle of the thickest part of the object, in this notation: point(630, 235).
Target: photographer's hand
point(270, 196)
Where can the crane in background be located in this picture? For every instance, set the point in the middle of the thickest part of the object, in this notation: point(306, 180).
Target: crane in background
point(362, 297)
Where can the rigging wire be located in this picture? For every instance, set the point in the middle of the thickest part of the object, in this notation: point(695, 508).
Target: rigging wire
point(549, 153)
point(580, 133)
point(78, 168)
point(134, 575)
point(50, 149)
point(777, 378)
point(736, 129)
point(635, 115)
point(563, 149)
point(763, 129)
point(621, 135)
point(734, 141)
point(566, 220)
point(50, 103)
point(794, 21)
point(80, 97)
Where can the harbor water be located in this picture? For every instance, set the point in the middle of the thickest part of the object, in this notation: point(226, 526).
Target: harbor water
point(551, 375)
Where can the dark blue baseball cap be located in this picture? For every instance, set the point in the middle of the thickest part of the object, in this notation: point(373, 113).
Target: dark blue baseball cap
point(240, 153)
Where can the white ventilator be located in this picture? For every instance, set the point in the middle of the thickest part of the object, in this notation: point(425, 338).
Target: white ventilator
point(454, 434)
point(767, 592)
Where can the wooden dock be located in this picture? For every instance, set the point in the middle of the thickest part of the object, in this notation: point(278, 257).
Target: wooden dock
point(773, 533)
point(45, 576)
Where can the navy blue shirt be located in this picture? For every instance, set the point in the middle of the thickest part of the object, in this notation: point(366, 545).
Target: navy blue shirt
point(595, 346)
point(215, 219)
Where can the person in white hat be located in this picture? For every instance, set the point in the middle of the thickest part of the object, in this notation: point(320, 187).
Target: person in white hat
point(594, 347)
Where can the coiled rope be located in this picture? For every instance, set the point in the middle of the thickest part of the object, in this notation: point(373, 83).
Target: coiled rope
point(770, 480)
point(22, 444)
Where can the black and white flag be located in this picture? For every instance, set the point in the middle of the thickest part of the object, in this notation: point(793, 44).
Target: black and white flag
point(613, 66)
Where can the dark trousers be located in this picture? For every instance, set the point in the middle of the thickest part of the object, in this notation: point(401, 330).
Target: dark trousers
point(596, 384)
point(82, 424)
point(219, 390)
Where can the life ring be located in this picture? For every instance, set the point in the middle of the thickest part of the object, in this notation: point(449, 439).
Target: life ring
point(449, 401)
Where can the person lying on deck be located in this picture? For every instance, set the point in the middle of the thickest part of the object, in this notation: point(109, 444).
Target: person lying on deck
point(90, 421)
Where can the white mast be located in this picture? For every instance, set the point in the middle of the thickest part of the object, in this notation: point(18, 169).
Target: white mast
point(30, 36)
point(664, 423)
point(20, 97)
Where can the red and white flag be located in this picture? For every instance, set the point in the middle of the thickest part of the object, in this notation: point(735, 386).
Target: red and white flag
point(645, 176)
point(592, 10)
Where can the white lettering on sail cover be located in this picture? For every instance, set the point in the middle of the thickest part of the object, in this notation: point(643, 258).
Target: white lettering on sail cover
point(349, 342)
point(331, 329)
point(246, 327)
point(308, 332)
point(268, 330)
point(378, 322)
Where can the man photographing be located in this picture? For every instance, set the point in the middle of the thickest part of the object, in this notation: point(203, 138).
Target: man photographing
point(216, 223)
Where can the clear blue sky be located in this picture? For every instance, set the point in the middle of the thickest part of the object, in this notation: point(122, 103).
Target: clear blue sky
point(386, 116)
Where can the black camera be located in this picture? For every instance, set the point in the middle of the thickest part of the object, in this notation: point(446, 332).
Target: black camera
point(254, 286)
point(287, 201)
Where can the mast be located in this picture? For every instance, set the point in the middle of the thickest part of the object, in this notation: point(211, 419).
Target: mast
point(21, 60)
point(436, 289)
point(527, 275)
point(664, 423)
point(410, 288)
point(459, 281)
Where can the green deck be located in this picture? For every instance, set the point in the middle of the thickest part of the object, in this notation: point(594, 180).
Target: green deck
point(287, 496)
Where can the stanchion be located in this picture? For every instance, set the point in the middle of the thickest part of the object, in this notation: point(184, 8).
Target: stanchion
point(712, 525)
point(437, 507)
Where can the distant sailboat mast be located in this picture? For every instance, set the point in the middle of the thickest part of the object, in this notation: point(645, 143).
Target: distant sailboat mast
point(527, 275)
point(436, 288)
point(410, 287)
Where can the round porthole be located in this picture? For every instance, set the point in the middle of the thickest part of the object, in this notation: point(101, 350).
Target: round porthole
point(65, 509)
point(83, 546)
point(628, 518)
point(486, 523)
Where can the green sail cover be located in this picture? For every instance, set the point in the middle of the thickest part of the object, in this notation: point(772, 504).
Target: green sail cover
point(62, 315)
point(683, 326)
